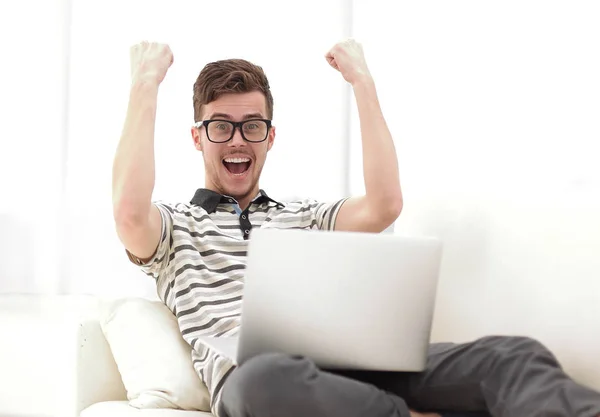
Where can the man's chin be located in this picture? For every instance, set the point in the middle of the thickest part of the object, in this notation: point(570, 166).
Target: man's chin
point(238, 190)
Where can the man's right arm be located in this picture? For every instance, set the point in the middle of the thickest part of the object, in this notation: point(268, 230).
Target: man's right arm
point(137, 219)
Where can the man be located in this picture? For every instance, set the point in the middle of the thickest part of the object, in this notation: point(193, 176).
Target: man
point(196, 252)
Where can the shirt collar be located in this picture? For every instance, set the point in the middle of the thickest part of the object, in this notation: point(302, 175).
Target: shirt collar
point(209, 199)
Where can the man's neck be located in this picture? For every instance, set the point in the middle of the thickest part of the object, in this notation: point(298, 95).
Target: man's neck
point(245, 201)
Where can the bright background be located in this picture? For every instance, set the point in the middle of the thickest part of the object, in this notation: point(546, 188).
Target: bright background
point(494, 108)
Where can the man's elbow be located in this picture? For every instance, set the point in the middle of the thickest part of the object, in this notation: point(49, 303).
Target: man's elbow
point(395, 208)
point(388, 213)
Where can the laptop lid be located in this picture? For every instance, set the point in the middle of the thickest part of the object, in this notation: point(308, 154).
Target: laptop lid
point(346, 300)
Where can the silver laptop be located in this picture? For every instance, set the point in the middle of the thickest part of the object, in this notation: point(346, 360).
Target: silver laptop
point(356, 301)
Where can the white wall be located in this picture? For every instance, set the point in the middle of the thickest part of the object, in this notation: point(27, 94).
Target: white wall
point(33, 83)
point(494, 109)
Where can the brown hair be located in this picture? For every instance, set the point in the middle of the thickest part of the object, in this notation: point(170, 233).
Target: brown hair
point(230, 76)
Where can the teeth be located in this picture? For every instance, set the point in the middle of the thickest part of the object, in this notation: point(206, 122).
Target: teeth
point(237, 160)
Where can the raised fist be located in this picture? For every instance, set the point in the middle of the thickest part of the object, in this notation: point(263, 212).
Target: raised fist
point(348, 58)
point(150, 61)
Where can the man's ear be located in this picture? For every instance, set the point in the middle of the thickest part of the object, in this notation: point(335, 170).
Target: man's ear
point(197, 139)
point(271, 138)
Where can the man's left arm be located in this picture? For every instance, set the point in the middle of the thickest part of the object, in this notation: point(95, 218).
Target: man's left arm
point(382, 203)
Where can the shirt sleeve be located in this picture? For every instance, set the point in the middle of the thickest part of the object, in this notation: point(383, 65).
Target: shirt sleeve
point(160, 258)
point(326, 214)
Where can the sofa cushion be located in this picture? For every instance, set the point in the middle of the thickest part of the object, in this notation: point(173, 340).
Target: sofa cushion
point(123, 409)
point(153, 359)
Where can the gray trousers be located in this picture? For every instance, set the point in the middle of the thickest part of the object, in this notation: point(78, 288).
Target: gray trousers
point(502, 376)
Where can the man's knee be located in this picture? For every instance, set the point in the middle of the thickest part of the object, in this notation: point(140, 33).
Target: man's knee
point(513, 343)
point(517, 349)
point(264, 381)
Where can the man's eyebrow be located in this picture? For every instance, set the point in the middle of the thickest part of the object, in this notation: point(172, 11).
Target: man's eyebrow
point(253, 116)
point(228, 116)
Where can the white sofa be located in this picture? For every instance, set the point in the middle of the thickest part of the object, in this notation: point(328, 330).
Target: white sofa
point(56, 362)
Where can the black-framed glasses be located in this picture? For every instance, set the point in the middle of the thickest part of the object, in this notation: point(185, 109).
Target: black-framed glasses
point(220, 131)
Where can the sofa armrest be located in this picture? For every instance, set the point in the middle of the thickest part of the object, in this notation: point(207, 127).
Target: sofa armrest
point(54, 359)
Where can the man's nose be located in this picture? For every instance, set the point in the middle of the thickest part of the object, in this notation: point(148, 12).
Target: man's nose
point(237, 140)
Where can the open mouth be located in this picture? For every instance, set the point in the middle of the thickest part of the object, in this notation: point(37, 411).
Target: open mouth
point(237, 166)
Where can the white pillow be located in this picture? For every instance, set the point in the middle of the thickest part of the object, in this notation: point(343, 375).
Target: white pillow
point(153, 359)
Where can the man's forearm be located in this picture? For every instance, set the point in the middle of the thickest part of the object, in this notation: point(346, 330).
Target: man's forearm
point(133, 168)
point(380, 162)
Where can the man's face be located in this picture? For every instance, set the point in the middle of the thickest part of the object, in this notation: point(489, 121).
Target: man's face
point(224, 172)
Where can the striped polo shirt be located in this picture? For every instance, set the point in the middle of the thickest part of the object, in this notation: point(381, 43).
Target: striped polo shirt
point(200, 261)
